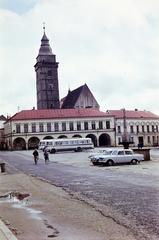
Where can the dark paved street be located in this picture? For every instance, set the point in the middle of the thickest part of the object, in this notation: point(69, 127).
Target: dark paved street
point(130, 191)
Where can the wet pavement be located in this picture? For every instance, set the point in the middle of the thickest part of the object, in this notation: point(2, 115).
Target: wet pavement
point(129, 194)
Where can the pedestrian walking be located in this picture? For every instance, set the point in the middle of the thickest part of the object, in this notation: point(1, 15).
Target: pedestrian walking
point(46, 156)
point(36, 156)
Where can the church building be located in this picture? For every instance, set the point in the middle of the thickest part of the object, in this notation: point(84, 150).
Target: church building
point(80, 97)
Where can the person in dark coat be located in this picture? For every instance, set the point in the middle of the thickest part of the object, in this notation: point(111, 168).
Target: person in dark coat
point(46, 155)
point(36, 156)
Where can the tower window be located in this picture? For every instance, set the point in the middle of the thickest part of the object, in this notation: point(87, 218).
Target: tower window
point(49, 73)
point(50, 86)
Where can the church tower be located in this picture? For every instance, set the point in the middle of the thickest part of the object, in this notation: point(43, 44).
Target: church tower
point(46, 77)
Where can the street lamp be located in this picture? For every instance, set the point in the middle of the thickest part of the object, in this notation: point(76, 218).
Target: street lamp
point(125, 141)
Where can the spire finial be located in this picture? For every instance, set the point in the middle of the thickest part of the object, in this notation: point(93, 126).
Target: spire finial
point(44, 26)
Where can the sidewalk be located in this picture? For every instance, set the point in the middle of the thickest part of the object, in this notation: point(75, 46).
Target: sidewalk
point(5, 233)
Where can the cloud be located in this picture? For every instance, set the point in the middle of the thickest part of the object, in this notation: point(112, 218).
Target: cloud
point(111, 45)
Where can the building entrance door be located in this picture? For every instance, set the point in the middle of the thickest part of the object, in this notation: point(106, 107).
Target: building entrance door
point(141, 142)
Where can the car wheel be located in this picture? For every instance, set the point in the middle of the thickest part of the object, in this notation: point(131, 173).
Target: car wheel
point(79, 149)
point(95, 163)
point(110, 163)
point(53, 150)
point(134, 161)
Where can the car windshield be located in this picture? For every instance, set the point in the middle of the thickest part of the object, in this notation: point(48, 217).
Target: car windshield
point(108, 152)
point(114, 152)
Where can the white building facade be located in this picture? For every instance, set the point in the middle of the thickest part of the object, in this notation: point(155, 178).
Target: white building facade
point(142, 127)
point(106, 129)
point(25, 129)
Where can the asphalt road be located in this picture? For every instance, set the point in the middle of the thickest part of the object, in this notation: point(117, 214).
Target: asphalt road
point(129, 194)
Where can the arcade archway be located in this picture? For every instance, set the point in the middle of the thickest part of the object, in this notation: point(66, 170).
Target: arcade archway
point(33, 142)
point(76, 136)
point(94, 139)
point(104, 140)
point(62, 136)
point(19, 144)
point(48, 137)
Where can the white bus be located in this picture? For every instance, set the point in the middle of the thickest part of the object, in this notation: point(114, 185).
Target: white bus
point(75, 144)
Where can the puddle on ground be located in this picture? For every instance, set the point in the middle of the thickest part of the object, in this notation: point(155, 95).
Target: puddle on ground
point(20, 200)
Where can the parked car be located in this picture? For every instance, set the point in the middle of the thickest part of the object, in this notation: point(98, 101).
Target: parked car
point(100, 152)
point(117, 156)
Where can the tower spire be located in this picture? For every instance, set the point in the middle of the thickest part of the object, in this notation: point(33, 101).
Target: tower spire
point(44, 27)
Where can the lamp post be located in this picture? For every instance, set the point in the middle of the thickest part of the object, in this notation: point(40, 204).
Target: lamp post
point(125, 141)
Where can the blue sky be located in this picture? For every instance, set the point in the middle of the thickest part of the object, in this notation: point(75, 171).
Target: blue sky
point(111, 45)
point(17, 6)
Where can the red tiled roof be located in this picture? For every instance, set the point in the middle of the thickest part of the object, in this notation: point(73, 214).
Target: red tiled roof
point(133, 114)
point(57, 114)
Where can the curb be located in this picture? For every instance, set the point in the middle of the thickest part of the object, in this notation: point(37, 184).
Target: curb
point(5, 233)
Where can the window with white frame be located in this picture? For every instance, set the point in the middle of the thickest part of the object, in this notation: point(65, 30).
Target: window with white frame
point(119, 129)
point(93, 125)
point(131, 128)
point(56, 127)
point(71, 126)
point(85, 125)
point(33, 126)
point(41, 127)
point(63, 126)
point(78, 126)
point(107, 124)
point(49, 127)
point(100, 125)
point(143, 128)
point(26, 128)
point(18, 130)
point(148, 139)
point(137, 128)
